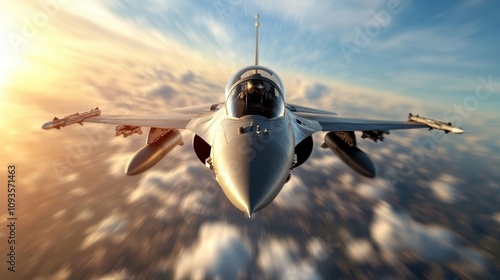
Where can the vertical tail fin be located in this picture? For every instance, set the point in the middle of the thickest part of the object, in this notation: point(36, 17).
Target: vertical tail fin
point(256, 39)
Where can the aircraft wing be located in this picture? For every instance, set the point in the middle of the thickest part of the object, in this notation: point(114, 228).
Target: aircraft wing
point(347, 124)
point(306, 111)
point(177, 118)
point(199, 109)
point(330, 122)
point(159, 121)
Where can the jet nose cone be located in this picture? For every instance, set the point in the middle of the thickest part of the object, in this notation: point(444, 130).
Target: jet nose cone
point(251, 181)
point(250, 195)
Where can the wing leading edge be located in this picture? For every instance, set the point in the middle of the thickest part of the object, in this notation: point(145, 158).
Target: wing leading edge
point(330, 122)
point(348, 124)
point(159, 121)
point(180, 118)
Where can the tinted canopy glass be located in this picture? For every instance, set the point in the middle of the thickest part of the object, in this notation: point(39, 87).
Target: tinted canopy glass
point(255, 95)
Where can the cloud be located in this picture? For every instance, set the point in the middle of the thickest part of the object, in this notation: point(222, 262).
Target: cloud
point(374, 189)
point(360, 250)
point(444, 188)
point(496, 217)
point(468, 4)
point(157, 185)
point(219, 31)
point(163, 186)
point(112, 226)
point(320, 16)
point(279, 259)
point(121, 274)
point(62, 274)
point(318, 249)
point(203, 201)
point(294, 195)
point(117, 163)
point(220, 252)
point(397, 233)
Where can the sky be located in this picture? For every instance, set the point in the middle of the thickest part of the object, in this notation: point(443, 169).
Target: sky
point(433, 51)
point(428, 51)
point(380, 59)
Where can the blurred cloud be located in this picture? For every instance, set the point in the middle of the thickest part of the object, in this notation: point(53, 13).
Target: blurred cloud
point(117, 163)
point(154, 184)
point(360, 250)
point(339, 15)
point(220, 252)
point(112, 227)
point(280, 259)
point(396, 233)
point(162, 184)
point(318, 249)
point(496, 217)
point(294, 195)
point(444, 188)
point(276, 257)
point(373, 189)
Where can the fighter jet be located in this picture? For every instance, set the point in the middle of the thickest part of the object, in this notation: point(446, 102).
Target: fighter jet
point(251, 141)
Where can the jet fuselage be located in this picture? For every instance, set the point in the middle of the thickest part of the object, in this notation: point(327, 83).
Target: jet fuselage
point(252, 158)
point(253, 148)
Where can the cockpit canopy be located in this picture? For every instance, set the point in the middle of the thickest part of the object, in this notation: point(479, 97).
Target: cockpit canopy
point(255, 90)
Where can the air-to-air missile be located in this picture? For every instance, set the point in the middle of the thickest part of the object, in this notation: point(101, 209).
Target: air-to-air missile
point(432, 123)
point(71, 119)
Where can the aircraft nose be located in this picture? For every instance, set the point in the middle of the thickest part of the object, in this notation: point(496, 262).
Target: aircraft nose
point(250, 174)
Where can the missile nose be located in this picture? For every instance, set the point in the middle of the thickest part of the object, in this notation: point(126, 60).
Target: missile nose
point(457, 130)
point(47, 125)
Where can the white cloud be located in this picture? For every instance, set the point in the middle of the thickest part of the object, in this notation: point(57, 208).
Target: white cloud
point(121, 274)
point(294, 195)
point(62, 274)
point(318, 249)
point(163, 185)
point(219, 31)
point(373, 189)
point(276, 257)
point(496, 217)
point(468, 4)
point(360, 250)
point(396, 233)
point(84, 215)
point(444, 189)
point(220, 252)
point(202, 201)
point(318, 16)
point(117, 163)
point(59, 214)
point(279, 259)
point(112, 226)
point(161, 6)
point(78, 192)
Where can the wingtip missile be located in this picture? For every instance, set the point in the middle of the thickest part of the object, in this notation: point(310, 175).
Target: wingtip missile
point(435, 124)
point(71, 119)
